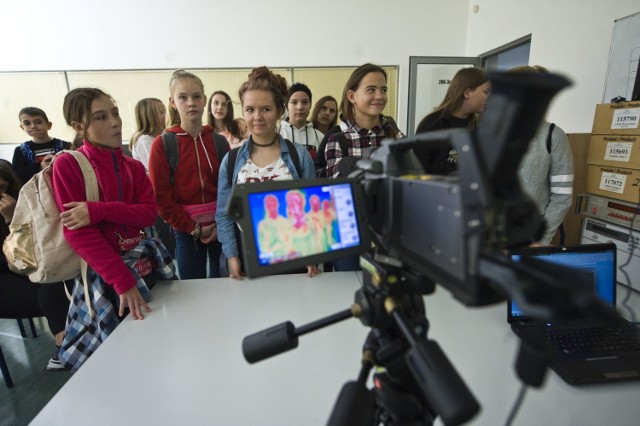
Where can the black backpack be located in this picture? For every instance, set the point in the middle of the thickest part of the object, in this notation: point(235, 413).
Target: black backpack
point(170, 144)
point(321, 160)
point(233, 154)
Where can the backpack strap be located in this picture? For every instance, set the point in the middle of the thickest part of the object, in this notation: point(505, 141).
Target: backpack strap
point(221, 146)
point(233, 155)
point(295, 158)
point(170, 144)
point(90, 179)
point(549, 137)
point(231, 164)
point(58, 145)
point(342, 141)
point(27, 152)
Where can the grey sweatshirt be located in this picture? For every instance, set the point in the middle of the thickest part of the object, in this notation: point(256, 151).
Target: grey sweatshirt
point(548, 177)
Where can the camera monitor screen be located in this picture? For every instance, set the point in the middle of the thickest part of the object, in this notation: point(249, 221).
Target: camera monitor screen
point(290, 224)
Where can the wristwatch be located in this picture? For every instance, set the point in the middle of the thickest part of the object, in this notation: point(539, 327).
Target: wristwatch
point(197, 232)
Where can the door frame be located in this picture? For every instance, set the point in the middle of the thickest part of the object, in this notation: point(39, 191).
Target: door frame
point(414, 61)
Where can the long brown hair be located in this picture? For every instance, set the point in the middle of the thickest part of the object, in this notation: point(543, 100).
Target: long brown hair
point(229, 121)
point(347, 109)
point(316, 111)
point(13, 181)
point(465, 79)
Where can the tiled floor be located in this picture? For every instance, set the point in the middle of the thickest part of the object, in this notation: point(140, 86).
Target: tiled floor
point(27, 359)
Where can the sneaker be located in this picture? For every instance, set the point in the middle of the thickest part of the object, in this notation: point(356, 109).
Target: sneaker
point(55, 364)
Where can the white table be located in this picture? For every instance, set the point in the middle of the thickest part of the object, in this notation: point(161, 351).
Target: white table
point(183, 364)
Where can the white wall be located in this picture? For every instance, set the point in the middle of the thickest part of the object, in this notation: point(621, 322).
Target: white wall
point(129, 34)
point(571, 37)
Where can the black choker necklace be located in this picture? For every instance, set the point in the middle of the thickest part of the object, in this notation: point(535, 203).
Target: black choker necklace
point(266, 144)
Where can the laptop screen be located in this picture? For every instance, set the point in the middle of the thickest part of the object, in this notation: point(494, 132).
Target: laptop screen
point(598, 259)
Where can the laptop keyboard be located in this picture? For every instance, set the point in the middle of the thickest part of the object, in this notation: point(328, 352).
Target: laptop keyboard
point(594, 339)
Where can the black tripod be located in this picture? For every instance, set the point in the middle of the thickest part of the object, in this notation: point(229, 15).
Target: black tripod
point(414, 381)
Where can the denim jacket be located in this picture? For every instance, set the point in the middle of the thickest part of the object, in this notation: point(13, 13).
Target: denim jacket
point(226, 224)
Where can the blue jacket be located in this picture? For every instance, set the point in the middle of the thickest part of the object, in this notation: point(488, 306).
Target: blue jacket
point(226, 224)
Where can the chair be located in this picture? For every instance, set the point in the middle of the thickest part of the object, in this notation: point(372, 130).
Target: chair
point(23, 332)
point(5, 370)
point(3, 362)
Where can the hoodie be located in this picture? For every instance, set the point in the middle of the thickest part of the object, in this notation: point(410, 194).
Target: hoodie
point(126, 206)
point(306, 135)
point(195, 177)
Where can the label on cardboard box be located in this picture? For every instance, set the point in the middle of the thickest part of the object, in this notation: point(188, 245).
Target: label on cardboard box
point(613, 182)
point(618, 151)
point(627, 118)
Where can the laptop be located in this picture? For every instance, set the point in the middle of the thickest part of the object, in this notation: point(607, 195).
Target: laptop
point(584, 350)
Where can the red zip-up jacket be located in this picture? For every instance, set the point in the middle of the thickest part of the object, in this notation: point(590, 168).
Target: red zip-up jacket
point(195, 177)
point(126, 206)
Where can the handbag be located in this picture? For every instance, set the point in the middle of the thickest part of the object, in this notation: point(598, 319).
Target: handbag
point(204, 214)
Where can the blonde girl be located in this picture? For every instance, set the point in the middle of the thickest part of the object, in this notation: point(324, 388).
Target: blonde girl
point(187, 196)
point(150, 117)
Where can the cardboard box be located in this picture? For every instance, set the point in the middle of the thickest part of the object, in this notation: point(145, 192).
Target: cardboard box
point(615, 150)
point(617, 119)
point(614, 182)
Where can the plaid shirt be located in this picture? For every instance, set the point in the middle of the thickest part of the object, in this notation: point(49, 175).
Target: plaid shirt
point(360, 142)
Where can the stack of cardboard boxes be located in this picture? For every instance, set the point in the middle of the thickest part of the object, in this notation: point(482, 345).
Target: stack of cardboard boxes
point(614, 153)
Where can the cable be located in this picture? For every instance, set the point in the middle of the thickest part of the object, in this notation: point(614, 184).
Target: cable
point(627, 283)
point(516, 405)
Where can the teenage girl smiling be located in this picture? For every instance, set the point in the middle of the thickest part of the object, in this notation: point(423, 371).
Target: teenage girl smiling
point(264, 156)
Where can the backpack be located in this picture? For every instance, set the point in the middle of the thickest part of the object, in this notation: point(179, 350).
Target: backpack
point(386, 122)
point(233, 154)
point(321, 159)
point(36, 245)
point(28, 153)
point(170, 144)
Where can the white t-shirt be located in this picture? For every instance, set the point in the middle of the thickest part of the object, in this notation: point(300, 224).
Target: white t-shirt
point(277, 170)
point(141, 150)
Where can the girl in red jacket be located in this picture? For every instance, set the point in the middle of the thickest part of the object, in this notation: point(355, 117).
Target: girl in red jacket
point(187, 196)
point(101, 231)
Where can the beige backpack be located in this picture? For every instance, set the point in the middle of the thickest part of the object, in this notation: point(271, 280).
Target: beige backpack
point(36, 245)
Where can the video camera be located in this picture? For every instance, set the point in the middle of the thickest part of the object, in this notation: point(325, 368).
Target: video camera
point(451, 230)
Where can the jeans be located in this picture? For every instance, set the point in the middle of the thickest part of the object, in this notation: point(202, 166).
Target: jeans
point(193, 257)
point(351, 263)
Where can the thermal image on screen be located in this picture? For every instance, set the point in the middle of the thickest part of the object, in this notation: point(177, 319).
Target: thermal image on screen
point(293, 223)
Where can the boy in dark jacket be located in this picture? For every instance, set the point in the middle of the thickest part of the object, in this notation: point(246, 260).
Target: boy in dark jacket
point(32, 156)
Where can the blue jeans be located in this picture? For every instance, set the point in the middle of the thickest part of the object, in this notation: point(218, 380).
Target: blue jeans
point(351, 263)
point(193, 257)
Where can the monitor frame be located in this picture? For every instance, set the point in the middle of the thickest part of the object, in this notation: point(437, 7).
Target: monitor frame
point(239, 208)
